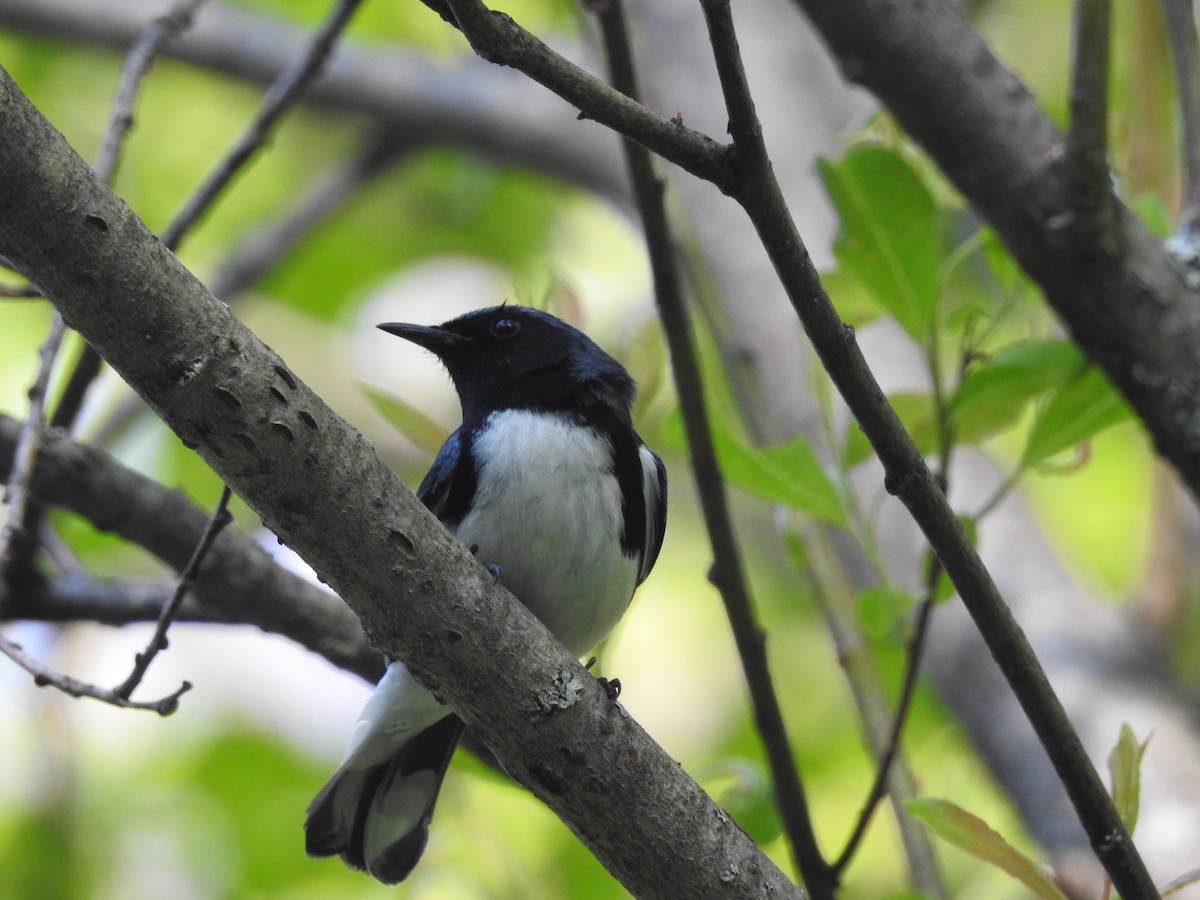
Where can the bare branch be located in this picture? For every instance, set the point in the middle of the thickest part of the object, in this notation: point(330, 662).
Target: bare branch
point(238, 583)
point(44, 676)
point(502, 117)
point(137, 63)
point(187, 578)
point(282, 96)
point(498, 39)
point(909, 478)
point(727, 573)
point(78, 597)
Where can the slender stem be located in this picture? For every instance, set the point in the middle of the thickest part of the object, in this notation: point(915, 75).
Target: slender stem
point(497, 38)
point(43, 676)
point(283, 94)
point(158, 641)
point(1087, 138)
point(727, 573)
point(825, 578)
point(891, 747)
point(134, 69)
point(14, 538)
point(137, 64)
point(1185, 54)
point(280, 97)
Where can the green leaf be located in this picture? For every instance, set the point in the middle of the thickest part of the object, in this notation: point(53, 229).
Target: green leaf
point(890, 236)
point(1080, 409)
point(424, 432)
point(968, 832)
point(1010, 278)
point(788, 473)
point(855, 303)
point(994, 394)
point(1125, 767)
point(880, 609)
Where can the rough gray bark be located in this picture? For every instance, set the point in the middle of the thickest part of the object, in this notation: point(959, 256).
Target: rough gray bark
point(319, 485)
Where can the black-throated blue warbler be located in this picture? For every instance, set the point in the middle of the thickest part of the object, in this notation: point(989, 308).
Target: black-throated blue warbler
point(548, 483)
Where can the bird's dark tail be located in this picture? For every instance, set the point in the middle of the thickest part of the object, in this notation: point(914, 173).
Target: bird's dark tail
point(377, 818)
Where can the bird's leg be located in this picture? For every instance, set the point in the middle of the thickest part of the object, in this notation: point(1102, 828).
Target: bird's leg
point(612, 687)
point(495, 569)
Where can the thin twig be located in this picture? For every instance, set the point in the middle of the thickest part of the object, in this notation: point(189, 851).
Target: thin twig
point(891, 747)
point(824, 577)
point(498, 39)
point(220, 518)
point(746, 175)
point(257, 253)
point(727, 572)
point(137, 63)
point(13, 536)
point(281, 96)
point(1087, 138)
point(1185, 54)
point(43, 676)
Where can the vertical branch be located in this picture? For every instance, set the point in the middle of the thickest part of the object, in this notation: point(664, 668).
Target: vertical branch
point(727, 572)
point(1184, 245)
point(1087, 138)
point(908, 477)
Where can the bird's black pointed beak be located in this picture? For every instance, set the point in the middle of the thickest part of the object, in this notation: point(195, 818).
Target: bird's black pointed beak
point(433, 338)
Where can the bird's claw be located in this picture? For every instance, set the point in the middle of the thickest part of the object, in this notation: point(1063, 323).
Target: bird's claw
point(612, 687)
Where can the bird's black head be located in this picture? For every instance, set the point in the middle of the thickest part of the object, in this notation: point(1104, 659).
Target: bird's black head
point(513, 357)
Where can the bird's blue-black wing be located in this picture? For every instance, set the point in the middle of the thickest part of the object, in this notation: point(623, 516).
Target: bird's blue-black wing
point(449, 486)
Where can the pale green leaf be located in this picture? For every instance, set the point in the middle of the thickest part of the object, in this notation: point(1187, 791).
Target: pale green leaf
point(891, 233)
point(1077, 411)
point(789, 474)
point(424, 432)
point(1125, 767)
point(995, 392)
point(971, 834)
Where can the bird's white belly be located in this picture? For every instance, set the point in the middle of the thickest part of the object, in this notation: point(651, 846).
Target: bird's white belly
point(548, 511)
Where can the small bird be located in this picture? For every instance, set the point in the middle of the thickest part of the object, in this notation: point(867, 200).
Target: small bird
point(549, 485)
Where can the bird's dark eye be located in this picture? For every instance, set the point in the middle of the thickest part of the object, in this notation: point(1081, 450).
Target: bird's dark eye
point(505, 328)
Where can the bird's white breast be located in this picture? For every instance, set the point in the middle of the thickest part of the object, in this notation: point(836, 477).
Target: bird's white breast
point(548, 511)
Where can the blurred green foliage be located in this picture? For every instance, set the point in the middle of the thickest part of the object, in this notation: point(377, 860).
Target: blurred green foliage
point(213, 808)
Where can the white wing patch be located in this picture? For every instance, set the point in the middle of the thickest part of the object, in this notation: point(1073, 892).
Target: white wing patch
point(653, 491)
